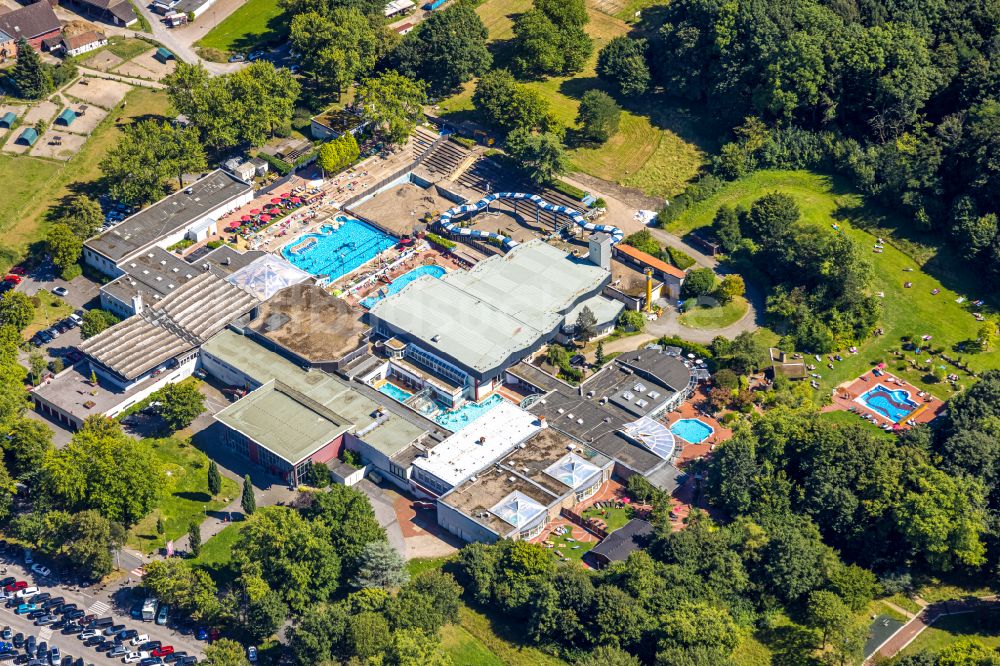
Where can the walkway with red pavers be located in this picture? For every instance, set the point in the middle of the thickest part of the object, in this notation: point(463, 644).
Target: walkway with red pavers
point(925, 618)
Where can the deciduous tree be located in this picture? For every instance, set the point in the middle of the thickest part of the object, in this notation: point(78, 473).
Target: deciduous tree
point(16, 310)
point(623, 63)
point(539, 155)
point(598, 117)
point(393, 103)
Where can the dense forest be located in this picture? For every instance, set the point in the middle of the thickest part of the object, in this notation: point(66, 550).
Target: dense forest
point(900, 96)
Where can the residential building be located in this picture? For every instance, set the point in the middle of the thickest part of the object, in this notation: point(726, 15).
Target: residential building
point(115, 12)
point(83, 43)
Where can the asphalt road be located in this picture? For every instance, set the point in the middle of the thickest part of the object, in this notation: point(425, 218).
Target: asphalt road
point(94, 600)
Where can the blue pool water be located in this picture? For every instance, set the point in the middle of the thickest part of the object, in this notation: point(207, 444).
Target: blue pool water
point(894, 404)
point(692, 430)
point(457, 419)
point(395, 392)
point(400, 282)
point(335, 252)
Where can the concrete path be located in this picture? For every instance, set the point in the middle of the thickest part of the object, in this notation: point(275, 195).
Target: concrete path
point(385, 513)
point(180, 41)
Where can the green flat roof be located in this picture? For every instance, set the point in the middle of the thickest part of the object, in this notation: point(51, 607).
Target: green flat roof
point(326, 402)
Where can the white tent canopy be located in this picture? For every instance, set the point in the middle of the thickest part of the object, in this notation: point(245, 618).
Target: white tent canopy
point(518, 509)
point(266, 276)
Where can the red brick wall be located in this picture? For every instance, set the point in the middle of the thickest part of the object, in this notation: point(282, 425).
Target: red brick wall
point(328, 452)
point(36, 43)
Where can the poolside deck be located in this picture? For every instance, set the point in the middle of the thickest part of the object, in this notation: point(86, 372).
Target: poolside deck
point(690, 409)
point(845, 399)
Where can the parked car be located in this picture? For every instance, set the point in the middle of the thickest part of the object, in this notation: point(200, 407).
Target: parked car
point(15, 586)
point(74, 614)
point(89, 633)
point(162, 650)
point(135, 657)
point(237, 57)
point(70, 629)
point(41, 570)
point(25, 608)
point(19, 640)
point(7, 581)
point(151, 661)
point(150, 645)
point(54, 656)
point(162, 614)
point(139, 639)
point(252, 654)
point(114, 629)
point(175, 656)
point(60, 291)
point(117, 651)
point(6, 634)
point(202, 634)
point(128, 634)
point(45, 619)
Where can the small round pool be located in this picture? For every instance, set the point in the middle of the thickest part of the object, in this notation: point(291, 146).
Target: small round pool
point(695, 431)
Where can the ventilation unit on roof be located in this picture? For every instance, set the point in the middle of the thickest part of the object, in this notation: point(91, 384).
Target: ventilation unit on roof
point(510, 479)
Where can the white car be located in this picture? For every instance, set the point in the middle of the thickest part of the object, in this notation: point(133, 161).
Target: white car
point(134, 657)
point(40, 570)
point(89, 633)
point(252, 654)
point(140, 639)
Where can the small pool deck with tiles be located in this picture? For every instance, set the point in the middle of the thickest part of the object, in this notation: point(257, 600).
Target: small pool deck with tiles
point(845, 398)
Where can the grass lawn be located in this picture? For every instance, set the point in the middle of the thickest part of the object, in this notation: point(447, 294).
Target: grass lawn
point(937, 590)
point(655, 148)
point(719, 316)
point(825, 201)
point(487, 640)
point(255, 23)
point(879, 608)
point(217, 552)
point(751, 652)
point(126, 49)
point(613, 517)
point(572, 550)
point(422, 564)
point(50, 310)
point(951, 629)
point(905, 603)
point(843, 418)
point(31, 185)
point(464, 648)
point(185, 496)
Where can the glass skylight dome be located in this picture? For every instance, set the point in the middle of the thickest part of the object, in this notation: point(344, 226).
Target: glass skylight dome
point(572, 470)
point(652, 435)
point(518, 509)
point(266, 276)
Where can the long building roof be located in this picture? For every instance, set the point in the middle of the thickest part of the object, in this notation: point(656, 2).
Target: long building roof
point(183, 320)
point(483, 316)
point(168, 215)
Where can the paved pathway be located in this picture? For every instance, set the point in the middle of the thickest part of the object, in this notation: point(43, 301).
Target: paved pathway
point(925, 618)
point(180, 41)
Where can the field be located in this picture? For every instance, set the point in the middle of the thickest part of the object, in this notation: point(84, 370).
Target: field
point(256, 22)
point(718, 316)
point(185, 496)
point(217, 552)
point(480, 637)
point(951, 629)
point(826, 201)
point(31, 185)
point(656, 148)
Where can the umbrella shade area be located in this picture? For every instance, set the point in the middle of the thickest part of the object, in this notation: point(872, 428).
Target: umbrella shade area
point(276, 200)
point(246, 218)
point(234, 224)
point(265, 218)
point(295, 200)
point(255, 211)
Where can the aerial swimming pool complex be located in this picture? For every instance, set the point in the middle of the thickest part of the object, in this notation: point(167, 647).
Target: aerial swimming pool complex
point(893, 404)
point(337, 249)
point(400, 282)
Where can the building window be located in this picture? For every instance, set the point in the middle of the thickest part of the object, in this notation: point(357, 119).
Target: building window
point(397, 470)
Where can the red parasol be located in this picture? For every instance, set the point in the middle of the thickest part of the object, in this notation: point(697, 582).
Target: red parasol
point(265, 218)
point(275, 200)
point(295, 200)
point(246, 218)
point(284, 195)
point(234, 224)
point(255, 211)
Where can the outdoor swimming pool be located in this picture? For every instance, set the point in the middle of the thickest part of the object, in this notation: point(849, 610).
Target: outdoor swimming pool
point(457, 419)
point(692, 430)
point(894, 404)
point(395, 392)
point(336, 250)
point(400, 282)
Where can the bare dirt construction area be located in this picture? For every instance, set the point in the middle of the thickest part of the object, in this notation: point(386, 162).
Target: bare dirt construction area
point(58, 145)
point(101, 92)
point(88, 117)
point(403, 206)
point(104, 61)
point(146, 66)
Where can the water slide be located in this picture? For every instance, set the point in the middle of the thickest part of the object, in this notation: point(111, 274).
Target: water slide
point(452, 227)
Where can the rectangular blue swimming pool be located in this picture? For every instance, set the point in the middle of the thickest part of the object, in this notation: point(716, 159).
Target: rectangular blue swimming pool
point(692, 430)
point(336, 250)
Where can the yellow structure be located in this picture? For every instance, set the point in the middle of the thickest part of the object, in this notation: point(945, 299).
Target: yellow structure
point(649, 290)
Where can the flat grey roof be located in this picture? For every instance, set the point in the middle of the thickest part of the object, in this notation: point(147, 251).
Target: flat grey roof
point(155, 273)
point(481, 317)
point(476, 497)
point(285, 421)
point(181, 321)
point(168, 215)
point(388, 432)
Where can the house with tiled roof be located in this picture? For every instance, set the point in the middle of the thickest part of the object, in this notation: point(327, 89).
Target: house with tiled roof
point(35, 23)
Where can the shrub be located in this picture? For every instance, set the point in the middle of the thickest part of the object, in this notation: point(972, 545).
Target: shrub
point(569, 190)
point(281, 166)
point(441, 241)
point(182, 244)
point(212, 55)
point(679, 258)
point(71, 272)
point(463, 141)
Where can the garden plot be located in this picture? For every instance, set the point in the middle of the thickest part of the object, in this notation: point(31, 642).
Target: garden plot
point(146, 66)
point(88, 117)
point(101, 92)
point(105, 61)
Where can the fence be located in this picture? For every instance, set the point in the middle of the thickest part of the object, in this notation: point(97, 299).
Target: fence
point(585, 523)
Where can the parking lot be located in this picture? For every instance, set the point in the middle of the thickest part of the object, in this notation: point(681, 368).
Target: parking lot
point(101, 602)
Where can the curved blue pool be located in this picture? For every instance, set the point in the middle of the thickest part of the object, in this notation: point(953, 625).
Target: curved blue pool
point(457, 419)
point(400, 282)
point(336, 250)
point(692, 430)
point(893, 404)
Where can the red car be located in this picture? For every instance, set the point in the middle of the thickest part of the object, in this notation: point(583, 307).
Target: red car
point(13, 279)
point(15, 586)
point(19, 270)
point(162, 651)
